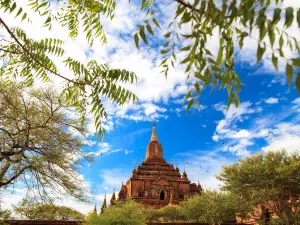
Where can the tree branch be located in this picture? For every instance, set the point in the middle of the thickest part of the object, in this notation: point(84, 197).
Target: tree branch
point(185, 4)
point(34, 58)
point(5, 50)
point(14, 177)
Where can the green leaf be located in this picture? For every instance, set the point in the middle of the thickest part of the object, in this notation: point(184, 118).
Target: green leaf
point(276, 16)
point(136, 40)
point(167, 35)
point(297, 83)
point(19, 12)
point(186, 48)
point(12, 7)
point(271, 32)
point(197, 87)
point(42, 5)
point(296, 62)
point(190, 104)
point(298, 17)
point(237, 101)
point(231, 97)
point(241, 42)
point(275, 62)
point(166, 44)
point(189, 94)
point(156, 22)
point(185, 60)
point(289, 16)
point(179, 10)
point(281, 41)
point(144, 4)
point(262, 31)
point(260, 52)
point(24, 16)
point(220, 56)
point(149, 29)
point(289, 74)
point(163, 62)
point(48, 20)
point(186, 17)
point(142, 34)
point(164, 51)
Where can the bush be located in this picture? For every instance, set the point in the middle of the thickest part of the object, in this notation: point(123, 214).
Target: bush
point(211, 207)
point(167, 214)
point(123, 213)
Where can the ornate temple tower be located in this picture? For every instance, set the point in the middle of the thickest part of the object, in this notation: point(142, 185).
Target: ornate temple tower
point(104, 206)
point(156, 182)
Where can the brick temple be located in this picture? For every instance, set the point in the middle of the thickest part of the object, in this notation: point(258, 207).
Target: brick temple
point(156, 182)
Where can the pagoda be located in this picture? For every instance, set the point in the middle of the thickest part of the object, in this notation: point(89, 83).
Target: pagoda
point(156, 182)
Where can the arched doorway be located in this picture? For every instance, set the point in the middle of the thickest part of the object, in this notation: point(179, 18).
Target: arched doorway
point(162, 195)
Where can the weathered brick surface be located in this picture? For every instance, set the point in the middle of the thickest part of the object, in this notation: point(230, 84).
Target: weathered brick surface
point(42, 222)
point(61, 222)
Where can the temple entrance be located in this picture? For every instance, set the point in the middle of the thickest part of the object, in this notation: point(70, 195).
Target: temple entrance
point(162, 195)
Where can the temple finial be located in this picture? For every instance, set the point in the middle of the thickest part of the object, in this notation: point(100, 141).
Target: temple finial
point(95, 209)
point(153, 136)
point(104, 206)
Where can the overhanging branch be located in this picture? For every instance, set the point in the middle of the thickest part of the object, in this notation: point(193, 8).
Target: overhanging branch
point(33, 56)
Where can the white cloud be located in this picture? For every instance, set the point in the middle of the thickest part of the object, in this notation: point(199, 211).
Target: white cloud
point(104, 148)
point(271, 100)
point(283, 136)
point(112, 179)
point(226, 129)
point(13, 195)
point(288, 142)
point(297, 101)
point(241, 134)
point(203, 167)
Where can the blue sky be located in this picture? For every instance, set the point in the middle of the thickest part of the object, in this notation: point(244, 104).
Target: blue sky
point(207, 136)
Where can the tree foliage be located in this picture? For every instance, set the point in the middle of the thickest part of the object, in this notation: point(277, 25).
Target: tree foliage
point(29, 59)
point(271, 179)
point(37, 211)
point(210, 207)
point(195, 22)
point(167, 214)
point(40, 144)
point(123, 213)
point(4, 214)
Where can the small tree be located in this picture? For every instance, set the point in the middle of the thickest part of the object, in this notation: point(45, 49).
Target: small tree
point(123, 213)
point(271, 178)
point(40, 146)
point(211, 207)
point(4, 215)
point(167, 214)
point(38, 211)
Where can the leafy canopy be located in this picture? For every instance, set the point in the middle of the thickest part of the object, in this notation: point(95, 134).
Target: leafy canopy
point(37, 211)
point(31, 60)
point(196, 21)
point(212, 207)
point(123, 213)
point(170, 213)
point(40, 143)
point(272, 178)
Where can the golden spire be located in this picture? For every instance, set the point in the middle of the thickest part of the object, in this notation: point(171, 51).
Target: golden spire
point(153, 136)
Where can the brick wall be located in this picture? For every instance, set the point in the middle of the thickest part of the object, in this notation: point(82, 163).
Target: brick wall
point(42, 222)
